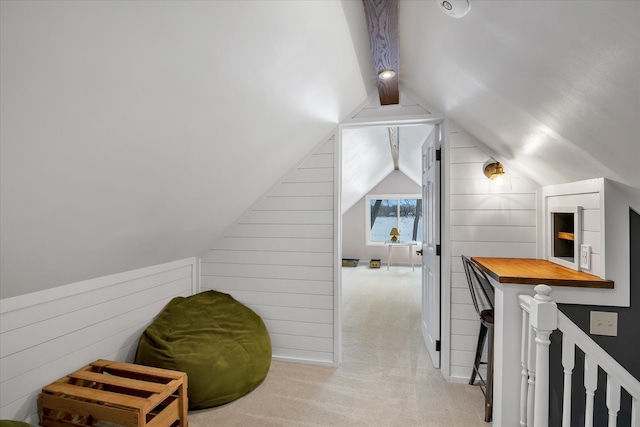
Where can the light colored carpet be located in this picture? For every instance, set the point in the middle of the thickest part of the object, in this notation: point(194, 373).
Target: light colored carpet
point(386, 378)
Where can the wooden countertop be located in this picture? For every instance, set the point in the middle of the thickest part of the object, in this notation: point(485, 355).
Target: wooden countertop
point(529, 271)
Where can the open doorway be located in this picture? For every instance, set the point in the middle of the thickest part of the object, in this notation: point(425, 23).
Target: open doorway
point(381, 187)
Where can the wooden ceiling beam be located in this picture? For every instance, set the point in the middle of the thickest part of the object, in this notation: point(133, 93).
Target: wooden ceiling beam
point(382, 22)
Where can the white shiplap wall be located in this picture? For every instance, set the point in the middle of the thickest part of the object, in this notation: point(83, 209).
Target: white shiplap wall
point(484, 221)
point(278, 260)
point(45, 335)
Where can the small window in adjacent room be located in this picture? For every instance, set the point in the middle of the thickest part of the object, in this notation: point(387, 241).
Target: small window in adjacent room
point(384, 212)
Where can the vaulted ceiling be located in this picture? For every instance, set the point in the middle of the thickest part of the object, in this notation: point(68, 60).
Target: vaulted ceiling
point(552, 86)
point(134, 133)
point(367, 158)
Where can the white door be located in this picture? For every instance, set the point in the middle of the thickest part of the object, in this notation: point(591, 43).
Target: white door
point(431, 245)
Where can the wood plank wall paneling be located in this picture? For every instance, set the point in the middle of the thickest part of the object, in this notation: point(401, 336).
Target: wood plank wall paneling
point(48, 334)
point(278, 259)
point(485, 221)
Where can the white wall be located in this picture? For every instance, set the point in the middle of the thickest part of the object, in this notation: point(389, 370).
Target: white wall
point(354, 226)
point(132, 133)
point(278, 260)
point(48, 334)
point(484, 221)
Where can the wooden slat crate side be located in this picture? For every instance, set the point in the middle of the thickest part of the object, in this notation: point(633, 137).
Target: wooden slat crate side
point(184, 403)
point(167, 416)
point(152, 372)
point(157, 379)
point(63, 405)
point(136, 376)
point(114, 380)
point(127, 394)
point(97, 395)
point(57, 423)
point(172, 388)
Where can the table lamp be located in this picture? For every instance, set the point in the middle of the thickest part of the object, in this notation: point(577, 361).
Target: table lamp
point(394, 234)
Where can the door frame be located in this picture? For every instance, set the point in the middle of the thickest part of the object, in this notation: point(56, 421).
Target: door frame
point(444, 224)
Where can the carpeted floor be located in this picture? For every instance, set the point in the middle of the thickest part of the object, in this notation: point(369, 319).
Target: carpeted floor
point(386, 378)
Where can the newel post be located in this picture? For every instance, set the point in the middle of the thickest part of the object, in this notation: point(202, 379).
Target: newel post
point(544, 319)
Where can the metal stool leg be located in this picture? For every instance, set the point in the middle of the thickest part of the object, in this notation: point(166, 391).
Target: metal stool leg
point(488, 397)
point(476, 364)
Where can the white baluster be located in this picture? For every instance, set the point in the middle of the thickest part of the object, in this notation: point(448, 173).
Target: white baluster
point(590, 385)
point(635, 413)
point(531, 368)
point(568, 362)
point(523, 360)
point(613, 400)
point(544, 318)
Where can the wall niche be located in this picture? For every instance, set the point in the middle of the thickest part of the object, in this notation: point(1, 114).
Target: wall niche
point(566, 236)
point(596, 212)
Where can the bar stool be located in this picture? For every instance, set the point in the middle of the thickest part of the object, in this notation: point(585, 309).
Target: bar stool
point(482, 295)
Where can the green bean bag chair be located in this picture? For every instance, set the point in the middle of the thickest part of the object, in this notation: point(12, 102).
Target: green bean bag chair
point(222, 346)
point(11, 423)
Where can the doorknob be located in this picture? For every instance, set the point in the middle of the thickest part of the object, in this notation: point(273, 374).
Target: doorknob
point(419, 252)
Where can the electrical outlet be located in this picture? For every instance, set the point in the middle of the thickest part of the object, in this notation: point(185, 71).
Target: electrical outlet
point(585, 257)
point(603, 323)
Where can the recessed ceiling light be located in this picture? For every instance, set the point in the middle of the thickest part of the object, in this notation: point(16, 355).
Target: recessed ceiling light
point(386, 74)
point(455, 8)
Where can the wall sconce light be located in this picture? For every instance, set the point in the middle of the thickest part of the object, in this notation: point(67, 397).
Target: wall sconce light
point(394, 234)
point(494, 170)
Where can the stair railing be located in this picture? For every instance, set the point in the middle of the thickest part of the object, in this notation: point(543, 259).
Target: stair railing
point(540, 317)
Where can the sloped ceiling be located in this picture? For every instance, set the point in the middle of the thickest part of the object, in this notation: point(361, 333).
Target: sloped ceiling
point(133, 133)
point(367, 160)
point(551, 86)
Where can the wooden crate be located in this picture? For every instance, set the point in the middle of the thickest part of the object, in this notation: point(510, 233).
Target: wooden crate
point(106, 393)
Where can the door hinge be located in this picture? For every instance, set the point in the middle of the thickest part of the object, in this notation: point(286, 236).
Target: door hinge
point(438, 154)
point(438, 345)
point(437, 250)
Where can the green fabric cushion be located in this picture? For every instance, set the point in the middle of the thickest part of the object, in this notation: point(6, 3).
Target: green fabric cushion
point(222, 346)
point(10, 423)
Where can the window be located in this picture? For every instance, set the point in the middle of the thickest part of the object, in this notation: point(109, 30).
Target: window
point(383, 212)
